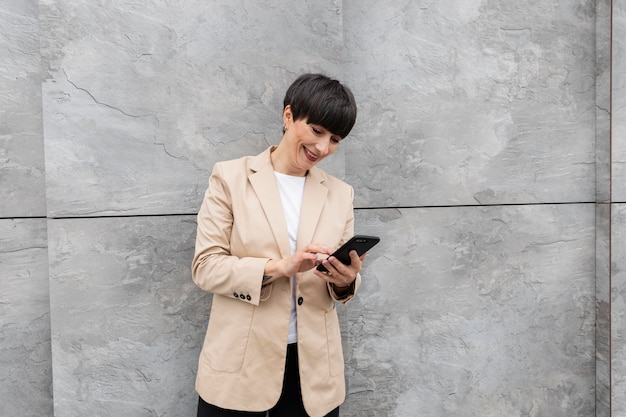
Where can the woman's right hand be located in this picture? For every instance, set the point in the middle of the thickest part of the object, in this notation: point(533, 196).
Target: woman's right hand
point(302, 260)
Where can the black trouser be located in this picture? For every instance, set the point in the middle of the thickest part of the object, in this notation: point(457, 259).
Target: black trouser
point(289, 404)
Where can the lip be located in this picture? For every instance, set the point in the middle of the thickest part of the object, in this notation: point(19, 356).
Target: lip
point(310, 156)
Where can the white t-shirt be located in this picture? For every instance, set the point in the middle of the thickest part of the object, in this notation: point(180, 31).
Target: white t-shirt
point(291, 191)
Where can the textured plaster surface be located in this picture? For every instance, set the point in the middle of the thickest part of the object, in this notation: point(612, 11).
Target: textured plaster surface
point(618, 99)
point(25, 359)
point(603, 208)
point(142, 98)
point(618, 214)
point(506, 309)
point(22, 178)
point(474, 312)
point(603, 100)
point(603, 310)
point(127, 320)
point(618, 310)
point(472, 102)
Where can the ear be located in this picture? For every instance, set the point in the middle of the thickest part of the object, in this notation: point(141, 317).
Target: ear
point(287, 116)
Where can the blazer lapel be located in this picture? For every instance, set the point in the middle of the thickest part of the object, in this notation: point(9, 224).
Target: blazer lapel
point(263, 182)
point(312, 203)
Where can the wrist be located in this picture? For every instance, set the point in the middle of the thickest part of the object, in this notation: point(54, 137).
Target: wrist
point(344, 289)
point(273, 268)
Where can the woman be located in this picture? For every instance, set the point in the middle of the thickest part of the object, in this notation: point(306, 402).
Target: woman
point(273, 343)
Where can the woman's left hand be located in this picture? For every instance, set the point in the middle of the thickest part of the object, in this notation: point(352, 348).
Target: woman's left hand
point(341, 275)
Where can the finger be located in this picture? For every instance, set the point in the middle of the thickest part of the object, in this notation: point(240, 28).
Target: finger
point(324, 275)
point(331, 278)
point(340, 272)
point(326, 264)
point(354, 255)
point(318, 248)
point(355, 263)
point(355, 260)
point(331, 272)
point(331, 263)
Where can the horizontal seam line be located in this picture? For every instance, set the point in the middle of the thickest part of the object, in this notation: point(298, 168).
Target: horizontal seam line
point(355, 208)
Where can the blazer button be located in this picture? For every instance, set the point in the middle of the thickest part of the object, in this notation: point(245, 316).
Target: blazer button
point(236, 295)
point(248, 297)
point(300, 301)
point(243, 297)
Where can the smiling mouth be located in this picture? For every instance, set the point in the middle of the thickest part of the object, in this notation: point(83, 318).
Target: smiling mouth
point(311, 157)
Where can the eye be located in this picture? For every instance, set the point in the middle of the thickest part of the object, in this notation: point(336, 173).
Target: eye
point(316, 130)
point(335, 140)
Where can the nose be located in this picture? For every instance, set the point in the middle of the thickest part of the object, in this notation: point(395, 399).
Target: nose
point(323, 145)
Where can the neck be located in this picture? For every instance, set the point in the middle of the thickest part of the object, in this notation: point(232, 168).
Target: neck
point(281, 164)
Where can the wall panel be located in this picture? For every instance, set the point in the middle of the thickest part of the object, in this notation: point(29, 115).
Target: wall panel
point(127, 320)
point(25, 359)
point(472, 102)
point(474, 312)
point(618, 102)
point(481, 146)
point(142, 98)
point(22, 179)
point(618, 310)
point(618, 212)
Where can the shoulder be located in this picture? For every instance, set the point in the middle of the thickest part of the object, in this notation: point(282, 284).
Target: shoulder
point(231, 164)
point(242, 166)
point(334, 184)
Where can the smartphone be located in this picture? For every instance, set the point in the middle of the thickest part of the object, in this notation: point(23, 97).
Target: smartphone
point(359, 243)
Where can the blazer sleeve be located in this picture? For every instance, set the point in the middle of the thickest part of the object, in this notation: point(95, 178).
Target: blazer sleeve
point(214, 268)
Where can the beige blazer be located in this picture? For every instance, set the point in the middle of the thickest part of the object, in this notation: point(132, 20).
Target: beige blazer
point(240, 226)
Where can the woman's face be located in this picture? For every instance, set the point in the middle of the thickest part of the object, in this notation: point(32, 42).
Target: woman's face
point(307, 144)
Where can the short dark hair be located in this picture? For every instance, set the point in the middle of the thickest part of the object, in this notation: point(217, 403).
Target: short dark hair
point(322, 101)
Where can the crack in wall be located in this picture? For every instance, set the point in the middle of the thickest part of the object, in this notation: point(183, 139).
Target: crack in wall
point(100, 103)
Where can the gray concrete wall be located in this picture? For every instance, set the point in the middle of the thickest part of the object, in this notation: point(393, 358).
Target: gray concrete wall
point(25, 348)
point(488, 155)
point(618, 214)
